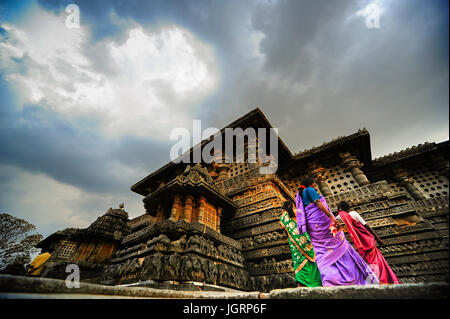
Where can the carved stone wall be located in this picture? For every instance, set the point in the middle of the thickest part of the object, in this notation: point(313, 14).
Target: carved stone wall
point(339, 180)
point(179, 251)
point(256, 225)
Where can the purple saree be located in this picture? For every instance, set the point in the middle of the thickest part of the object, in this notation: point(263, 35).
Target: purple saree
point(338, 262)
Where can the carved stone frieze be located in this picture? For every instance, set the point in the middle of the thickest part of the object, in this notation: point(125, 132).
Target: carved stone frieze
point(416, 258)
point(259, 206)
point(187, 267)
point(394, 231)
point(380, 187)
point(182, 226)
point(270, 266)
point(415, 247)
point(257, 230)
point(381, 222)
point(264, 240)
point(255, 219)
point(267, 283)
point(194, 243)
point(429, 235)
point(420, 268)
point(266, 252)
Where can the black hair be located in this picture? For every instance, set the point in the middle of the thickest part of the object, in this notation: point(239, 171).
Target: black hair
point(306, 181)
point(343, 205)
point(287, 206)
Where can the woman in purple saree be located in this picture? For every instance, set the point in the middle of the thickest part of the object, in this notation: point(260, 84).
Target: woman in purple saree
point(338, 262)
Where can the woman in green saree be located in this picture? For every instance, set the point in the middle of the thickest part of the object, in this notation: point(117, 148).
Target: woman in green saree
point(303, 258)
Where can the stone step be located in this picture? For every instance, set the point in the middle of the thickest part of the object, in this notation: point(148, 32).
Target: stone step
point(14, 287)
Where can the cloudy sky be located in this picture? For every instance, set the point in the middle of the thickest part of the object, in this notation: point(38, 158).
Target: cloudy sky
point(87, 112)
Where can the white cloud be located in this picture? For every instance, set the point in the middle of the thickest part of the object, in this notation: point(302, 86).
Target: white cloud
point(255, 39)
point(160, 76)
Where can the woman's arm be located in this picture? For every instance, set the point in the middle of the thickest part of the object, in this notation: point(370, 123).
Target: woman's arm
point(377, 238)
point(323, 208)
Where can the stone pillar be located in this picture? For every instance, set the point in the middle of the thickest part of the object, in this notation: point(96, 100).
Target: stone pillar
point(221, 166)
point(202, 204)
point(316, 171)
point(401, 175)
point(352, 165)
point(159, 213)
point(176, 208)
point(218, 217)
point(321, 181)
point(441, 165)
point(187, 214)
point(222, 170)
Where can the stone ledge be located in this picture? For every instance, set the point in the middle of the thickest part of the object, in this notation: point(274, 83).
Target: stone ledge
point(438, 290)
point(29, 287)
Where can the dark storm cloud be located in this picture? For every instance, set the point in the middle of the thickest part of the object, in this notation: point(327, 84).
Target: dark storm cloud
point(325, 74)
point(40, 142)
point(392, 80)
point(324, 71)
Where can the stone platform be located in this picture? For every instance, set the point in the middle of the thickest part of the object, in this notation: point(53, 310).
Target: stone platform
point(17, 287)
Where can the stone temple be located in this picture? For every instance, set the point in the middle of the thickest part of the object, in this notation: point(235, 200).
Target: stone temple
point(218, 223)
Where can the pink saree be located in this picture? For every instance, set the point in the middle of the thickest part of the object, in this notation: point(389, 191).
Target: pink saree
point(365, 245)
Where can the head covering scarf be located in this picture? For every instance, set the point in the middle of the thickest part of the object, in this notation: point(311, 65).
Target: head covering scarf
point(301, 217)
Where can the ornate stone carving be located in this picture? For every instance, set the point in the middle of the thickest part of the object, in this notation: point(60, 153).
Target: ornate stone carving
point(375, 190)
point(253, 219)
point(402, 176)
point(353, 165)
point(317, 172)
point(195, 174)
point(265, 252)
point(415, 247)
point(270, 266)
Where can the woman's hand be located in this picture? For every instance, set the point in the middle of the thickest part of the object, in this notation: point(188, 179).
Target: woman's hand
point(335, 227)
point(339, 224)
point(380, 242)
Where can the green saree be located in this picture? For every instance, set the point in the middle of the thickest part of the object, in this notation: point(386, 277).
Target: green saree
point(303, 257)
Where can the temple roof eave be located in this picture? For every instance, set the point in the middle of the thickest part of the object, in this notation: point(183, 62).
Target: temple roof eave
point(409, 153)
point(360, 139)
point(56, 236)
point(191, 187)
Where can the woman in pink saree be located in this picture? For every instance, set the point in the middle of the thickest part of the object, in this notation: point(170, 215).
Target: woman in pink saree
point(363, 238)
point(338, 262)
